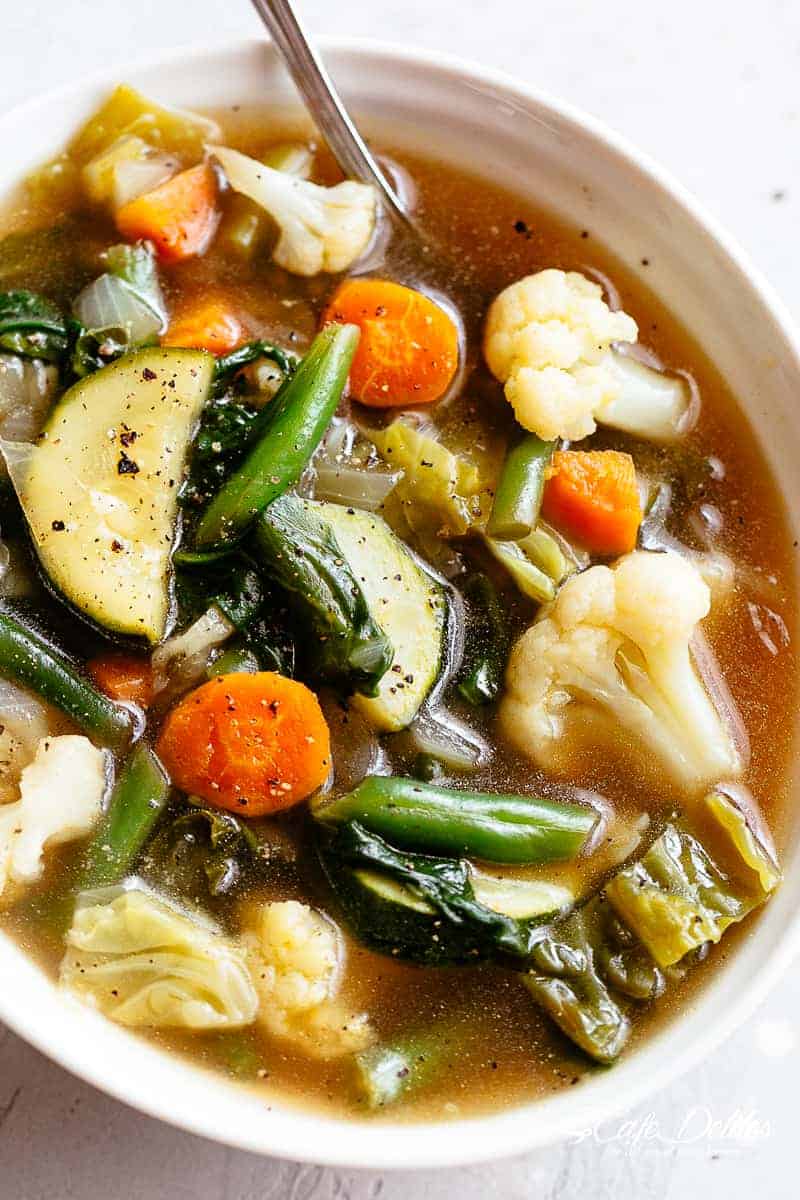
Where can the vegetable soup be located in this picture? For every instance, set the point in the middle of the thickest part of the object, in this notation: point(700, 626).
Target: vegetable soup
point(395, 679)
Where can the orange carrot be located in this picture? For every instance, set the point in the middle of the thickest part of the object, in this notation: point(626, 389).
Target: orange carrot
point(408, 351)
point(123, 677)
point(252, 743)
point(209, 325)
point(179, 217)
point(591, 496)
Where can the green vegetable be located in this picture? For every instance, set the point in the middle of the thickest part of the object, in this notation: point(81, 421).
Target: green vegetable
point(99, 488)
point(530, 580)
point(421, 908)
point(486, 642)
point(127, 111)
point(298, 549)
point(228, 364)
point(118, 311)
point(28, 659)
point(518, 497)
point(407, 603)
point(136, 266)
point(228, 428)
point(386, 1073)
point(236, 659)
point(298, 417)
point(32, 327)
point(657, 913)
point(565, 980)
point(436, 820)
point(677, 898)
point(137, 801)
point(202, 849)
point(542, 549)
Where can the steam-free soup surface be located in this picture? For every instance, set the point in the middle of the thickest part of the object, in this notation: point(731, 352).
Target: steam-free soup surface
point(494, 1046)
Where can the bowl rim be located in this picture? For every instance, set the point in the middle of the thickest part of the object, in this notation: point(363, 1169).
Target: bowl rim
point(516, 1130)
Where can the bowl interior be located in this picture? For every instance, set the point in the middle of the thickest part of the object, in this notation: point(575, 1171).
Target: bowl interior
point(537, 146)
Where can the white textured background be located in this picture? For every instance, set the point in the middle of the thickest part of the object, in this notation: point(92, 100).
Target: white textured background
point(712, 89)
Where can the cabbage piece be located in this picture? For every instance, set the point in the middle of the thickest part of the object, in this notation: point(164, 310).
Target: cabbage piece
point(144, 963)
point(61, 798)
point(439, 491)
point(129, 112)
point(677, 897)
point(651, 921)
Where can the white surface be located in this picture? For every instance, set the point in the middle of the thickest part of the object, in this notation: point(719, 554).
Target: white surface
point(60, 1138)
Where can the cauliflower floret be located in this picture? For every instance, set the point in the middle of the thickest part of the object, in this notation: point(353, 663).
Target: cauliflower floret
point(61, 797)
point(548, 339)
point(144, 963)
point(616, 643)
point(321, 228)
point(297, 965)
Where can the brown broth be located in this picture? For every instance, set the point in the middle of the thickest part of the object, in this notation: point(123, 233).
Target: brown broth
point(503, 1051)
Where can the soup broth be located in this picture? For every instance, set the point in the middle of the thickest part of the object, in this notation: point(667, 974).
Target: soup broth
point(483, 1043)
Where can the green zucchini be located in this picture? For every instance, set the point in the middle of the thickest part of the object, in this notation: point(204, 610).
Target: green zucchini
point(99, 489)
point(463, 916)
point(407, 604)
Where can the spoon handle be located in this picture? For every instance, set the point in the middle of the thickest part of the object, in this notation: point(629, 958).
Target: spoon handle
point(323, 101)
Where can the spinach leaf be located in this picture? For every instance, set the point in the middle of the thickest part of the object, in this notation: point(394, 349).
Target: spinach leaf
point(227, 430)
point(442, 883)
point(298, 551)
point(247, 601)
point(201, 848)
point(228, 364)
point(32, 326)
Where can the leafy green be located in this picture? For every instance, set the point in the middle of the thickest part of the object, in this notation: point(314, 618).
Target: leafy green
point(464, 929)
point(228, 364)
point(298, 550)
point(235, 587)
point(202, 849)
point(486, 642)
point(228, 428)
point(32, 326)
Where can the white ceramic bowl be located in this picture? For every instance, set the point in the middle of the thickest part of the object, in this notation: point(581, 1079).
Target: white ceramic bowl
point(570, 163)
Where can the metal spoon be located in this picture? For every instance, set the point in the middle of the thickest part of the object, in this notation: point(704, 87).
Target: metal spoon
point(325, 104)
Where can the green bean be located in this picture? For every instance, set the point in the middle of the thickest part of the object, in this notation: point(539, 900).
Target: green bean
point(518, 497)
point(301, 413)
point(138, 799)
point(486, 647)
point(413, 814)
point(28, 659)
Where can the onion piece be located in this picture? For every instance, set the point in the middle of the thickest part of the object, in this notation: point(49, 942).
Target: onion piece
point(109, 303)
point(27, 387)
point(25, 721)
point(356, 486)
point(182, 660)
point(450, 740)
point(134, 177)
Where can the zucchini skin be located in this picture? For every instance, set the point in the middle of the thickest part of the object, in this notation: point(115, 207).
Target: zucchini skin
point(28, 659)
point(503, 829)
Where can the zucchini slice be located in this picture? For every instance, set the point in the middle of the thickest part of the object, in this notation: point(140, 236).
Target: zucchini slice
point(100, 487)
point(389, 917)
point(409, 606)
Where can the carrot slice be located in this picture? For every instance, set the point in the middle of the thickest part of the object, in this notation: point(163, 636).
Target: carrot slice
point(208, 325)
point(179, 217)
point(591, 496)
point(408, 351)
point(251, 743)
point(123, 677)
